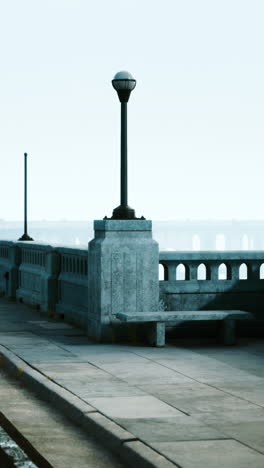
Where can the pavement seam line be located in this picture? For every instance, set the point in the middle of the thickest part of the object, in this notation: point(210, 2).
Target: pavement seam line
point(121, 380)
point(234, 438)
point(10, 358)
point(207, 384)
point(20, 371)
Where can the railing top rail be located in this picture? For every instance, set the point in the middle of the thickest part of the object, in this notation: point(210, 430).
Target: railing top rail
point(31, 245)
point(6, 243)
point(219, 255)
point(73, 251)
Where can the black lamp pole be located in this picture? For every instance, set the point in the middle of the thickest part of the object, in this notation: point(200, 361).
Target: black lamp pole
point(25, 236)
point(123, 83)
point(123, 173)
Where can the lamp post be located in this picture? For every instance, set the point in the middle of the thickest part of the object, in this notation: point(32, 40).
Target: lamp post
point(123, 83)
point(25, 236)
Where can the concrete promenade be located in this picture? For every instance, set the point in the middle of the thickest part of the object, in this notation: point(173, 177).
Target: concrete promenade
point(188, 405)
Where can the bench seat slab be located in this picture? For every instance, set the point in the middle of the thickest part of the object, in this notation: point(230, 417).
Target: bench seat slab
point(183, 315)
point(157, 322)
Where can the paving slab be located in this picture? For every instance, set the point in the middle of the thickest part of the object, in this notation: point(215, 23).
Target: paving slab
point(247, 391)
point(207, 404)
point(210, 453)
point(190, 389)
point(181, 427)
point(133, 407)
point(187, 405)
point(231, 416)
point(61, 443)
point(109, 388)
point(151, 372)
point(210, 371)
point(249, 433)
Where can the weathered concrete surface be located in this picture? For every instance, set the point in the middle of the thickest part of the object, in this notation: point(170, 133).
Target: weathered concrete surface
point(156, 327)
point(123, 263)
point(60, 442)
point(194, 404)
point(183, 315)
point(219, 280)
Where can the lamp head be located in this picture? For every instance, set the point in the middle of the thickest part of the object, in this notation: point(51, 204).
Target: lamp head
point(124, 83)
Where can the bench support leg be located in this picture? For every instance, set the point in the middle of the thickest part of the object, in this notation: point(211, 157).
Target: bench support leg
point(228, 332)
point(156, 334)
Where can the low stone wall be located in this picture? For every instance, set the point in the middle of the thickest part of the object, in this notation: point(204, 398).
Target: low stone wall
point(215, 281)
point(38, 275)
point(9, 263)
point(53, 278)
point(56, 279)
point(73, 285)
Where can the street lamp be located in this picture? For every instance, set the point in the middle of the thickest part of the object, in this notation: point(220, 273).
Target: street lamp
point(25, 236)
point(123, 83)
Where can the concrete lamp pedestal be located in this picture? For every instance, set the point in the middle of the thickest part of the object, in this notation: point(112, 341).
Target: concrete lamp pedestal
point(123, 265)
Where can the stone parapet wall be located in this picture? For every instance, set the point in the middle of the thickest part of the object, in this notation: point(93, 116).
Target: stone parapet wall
point(73, 285)
point(56, 279)
point(221, 280)
point(10, 257)
point(38, 275)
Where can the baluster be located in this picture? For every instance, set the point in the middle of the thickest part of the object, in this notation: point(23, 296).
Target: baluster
point(253, 270)
point(171, 272)
point(214, 271)
point(235, 269)
point(192, 267)
point(166, 273)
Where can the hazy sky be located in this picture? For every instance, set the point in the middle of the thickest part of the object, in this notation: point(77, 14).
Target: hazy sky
point(196, 117)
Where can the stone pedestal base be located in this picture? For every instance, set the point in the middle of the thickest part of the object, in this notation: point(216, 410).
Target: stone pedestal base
point(123, 264)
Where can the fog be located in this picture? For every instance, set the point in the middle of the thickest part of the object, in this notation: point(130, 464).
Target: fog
point(195, 118)
point(171, 235)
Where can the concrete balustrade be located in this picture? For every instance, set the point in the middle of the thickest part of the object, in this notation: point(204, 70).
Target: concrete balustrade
point(73, 285)
point(57, 279)
point(38, 275)
point(10, 255)
point(232, 280)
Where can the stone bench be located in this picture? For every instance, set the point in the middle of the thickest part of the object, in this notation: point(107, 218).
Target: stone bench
point(157, 322)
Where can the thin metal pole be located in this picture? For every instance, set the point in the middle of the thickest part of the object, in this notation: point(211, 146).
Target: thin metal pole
point(123, 211)
point(123, 153)
point(25, 193)
point(25, 236)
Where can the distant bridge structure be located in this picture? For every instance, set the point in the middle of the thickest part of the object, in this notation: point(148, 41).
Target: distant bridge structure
point(210, 235)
